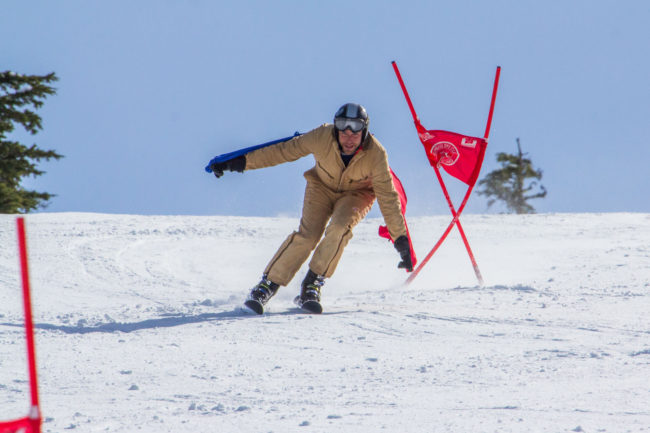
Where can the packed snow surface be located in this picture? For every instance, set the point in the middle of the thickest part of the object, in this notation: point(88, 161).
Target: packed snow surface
point(139, 328)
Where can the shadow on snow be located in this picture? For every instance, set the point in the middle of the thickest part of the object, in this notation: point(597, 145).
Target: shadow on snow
point(163, 322)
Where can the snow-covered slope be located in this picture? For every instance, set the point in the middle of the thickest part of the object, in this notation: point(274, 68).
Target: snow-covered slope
point(139, 328)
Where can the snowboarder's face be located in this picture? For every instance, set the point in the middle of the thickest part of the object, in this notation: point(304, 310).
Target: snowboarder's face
point(349, 141)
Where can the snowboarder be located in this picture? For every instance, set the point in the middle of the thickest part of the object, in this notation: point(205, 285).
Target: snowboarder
point(351, 170)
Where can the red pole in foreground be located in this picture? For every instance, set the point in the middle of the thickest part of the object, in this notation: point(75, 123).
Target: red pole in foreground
point(34, 413)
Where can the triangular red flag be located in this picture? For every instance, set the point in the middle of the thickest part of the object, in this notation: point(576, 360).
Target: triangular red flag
point(460, 155)
point(383, 230)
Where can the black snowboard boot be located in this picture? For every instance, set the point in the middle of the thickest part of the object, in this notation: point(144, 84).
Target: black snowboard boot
point(309, 298)
point(260, 295)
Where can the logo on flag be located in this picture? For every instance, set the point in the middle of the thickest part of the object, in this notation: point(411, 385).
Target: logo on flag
point(445, 153)
point(460, 155)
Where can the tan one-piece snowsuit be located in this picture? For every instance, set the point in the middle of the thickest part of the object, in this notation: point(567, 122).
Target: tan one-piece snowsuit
point(335, 193)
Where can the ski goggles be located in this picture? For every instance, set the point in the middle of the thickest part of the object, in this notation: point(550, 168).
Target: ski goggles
point(354, 125)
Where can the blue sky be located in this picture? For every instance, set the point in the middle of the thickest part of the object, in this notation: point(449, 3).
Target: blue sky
point(151, 90)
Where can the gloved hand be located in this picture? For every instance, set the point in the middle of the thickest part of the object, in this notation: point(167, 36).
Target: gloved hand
point(237, 164)
point(404, 249)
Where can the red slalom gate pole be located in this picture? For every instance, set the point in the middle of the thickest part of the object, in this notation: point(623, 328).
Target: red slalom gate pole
point(456, 214)
point(34, 413)
point(455, 220)
point(406, 93)
point(440, 241)
point(494, 98)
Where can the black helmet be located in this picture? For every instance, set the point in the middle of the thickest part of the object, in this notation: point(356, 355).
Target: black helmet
point(353, 117)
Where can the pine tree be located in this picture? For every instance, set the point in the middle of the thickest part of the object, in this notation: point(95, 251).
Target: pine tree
point(19, 96)
point(508, 183)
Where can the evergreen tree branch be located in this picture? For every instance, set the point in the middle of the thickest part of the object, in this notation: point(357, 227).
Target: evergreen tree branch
point(20, 96)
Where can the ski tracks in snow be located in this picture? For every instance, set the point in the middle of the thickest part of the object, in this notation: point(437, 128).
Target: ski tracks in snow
point(139, 327)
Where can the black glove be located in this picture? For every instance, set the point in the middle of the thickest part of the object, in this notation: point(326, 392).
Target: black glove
point(237, 164)
point(404, 249)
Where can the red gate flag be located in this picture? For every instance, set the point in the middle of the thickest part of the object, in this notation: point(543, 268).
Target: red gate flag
point(383, 230)
point(460, 155)
point(23, 425)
